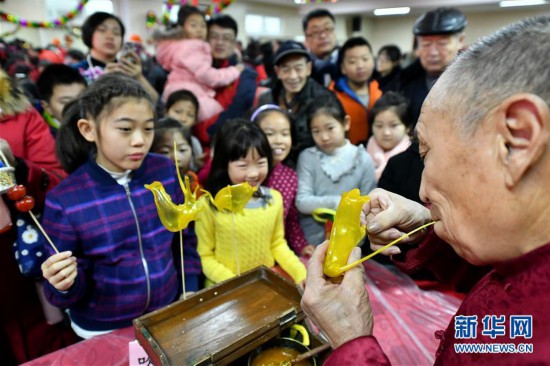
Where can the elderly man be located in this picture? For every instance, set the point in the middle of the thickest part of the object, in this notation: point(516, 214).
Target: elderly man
point(440, 35)
point(294, 90)
point(484, 134)
point(320, 35)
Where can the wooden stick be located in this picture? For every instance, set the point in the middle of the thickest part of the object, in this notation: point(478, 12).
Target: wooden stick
point(43, 232)
point(182, 271)
point(307, 355)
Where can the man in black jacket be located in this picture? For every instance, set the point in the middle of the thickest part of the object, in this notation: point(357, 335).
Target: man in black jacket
point(440, 36)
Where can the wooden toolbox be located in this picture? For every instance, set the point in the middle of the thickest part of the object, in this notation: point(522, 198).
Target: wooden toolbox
point(222, 323)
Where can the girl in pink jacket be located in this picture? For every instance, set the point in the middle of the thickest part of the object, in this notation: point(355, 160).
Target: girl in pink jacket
point(187, 56)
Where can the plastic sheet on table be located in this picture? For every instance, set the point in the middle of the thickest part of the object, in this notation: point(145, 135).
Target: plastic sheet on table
point(405, 316)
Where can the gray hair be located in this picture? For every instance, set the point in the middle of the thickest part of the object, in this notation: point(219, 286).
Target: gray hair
point(510, 61)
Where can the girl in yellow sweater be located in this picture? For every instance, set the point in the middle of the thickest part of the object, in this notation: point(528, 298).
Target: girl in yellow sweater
point(230, 244)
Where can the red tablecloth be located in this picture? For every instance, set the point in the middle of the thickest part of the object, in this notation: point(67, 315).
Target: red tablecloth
point(406, 318)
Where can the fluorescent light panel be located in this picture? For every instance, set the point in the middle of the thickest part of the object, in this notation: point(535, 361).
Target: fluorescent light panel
point(510, 3)
point(392, 11)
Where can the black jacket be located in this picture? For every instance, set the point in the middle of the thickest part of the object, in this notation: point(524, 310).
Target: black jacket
point(301, 136)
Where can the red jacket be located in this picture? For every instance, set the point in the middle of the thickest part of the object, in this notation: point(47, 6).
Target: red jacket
point(23, 328)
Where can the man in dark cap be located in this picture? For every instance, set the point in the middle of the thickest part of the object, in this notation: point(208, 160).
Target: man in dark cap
point(294, 89)
point(440, 36)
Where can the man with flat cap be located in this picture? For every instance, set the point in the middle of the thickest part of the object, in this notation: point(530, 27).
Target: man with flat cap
point(440, 36)
point(294, 90)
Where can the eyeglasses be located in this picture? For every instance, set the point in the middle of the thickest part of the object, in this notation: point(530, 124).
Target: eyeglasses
point(319, 33)
point(226, 38)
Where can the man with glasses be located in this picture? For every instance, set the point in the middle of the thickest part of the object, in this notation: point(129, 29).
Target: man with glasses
point(318, 28)
point(222, 37)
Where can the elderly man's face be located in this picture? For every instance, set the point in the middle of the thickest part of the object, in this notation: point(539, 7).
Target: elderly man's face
point(222, 42)
point(293, 72)
point(460, 181)
point(320, 36)
point(437, 51)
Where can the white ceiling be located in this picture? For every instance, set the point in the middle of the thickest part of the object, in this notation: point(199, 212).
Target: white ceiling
point(366, 7)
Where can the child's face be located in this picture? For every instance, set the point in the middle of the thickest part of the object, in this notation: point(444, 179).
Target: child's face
point(125, 135)
point(184, 111)
point(184, 151)
point(388, 129)
point(107, 38)
point(252, 169)
point(329, 133)
point(358, 64)
point(195, 27)
point(61, 95)
point(277, 129)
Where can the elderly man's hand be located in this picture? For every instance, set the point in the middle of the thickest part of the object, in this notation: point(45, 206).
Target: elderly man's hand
point(388, 216)
point(342, 311)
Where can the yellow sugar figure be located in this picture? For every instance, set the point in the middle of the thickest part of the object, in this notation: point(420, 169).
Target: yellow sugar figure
point(346, 232)
point(234, 198)
point(175, 217)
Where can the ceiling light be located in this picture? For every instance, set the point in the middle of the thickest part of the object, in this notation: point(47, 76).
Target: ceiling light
point(392, 11)
point(510, 3)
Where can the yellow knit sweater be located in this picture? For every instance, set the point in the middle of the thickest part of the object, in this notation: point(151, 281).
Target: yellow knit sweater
point(258, 236)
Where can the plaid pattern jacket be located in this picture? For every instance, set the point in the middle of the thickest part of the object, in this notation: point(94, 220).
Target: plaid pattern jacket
point(125, 264)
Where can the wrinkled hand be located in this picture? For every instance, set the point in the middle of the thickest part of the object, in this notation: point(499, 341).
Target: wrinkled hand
point(341, 311)
point(60, 270)
point(388, 216)
point(6, 150)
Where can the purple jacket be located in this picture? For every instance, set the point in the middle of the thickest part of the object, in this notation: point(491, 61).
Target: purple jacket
point(125, 266)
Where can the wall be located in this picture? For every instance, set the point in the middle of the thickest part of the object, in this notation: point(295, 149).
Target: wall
point(398, 30)
point(378, 30)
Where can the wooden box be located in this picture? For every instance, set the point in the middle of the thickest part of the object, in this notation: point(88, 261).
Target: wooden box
point(222, 323)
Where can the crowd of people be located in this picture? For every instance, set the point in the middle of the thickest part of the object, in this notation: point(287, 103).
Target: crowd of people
point(459, 136)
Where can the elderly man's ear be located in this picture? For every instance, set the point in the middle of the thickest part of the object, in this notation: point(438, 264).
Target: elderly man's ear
point(525, 131)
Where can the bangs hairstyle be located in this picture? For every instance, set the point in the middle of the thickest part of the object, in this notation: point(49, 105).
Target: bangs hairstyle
point(94, 21)
point(167, 125)
point(57, 74)
point(234, 139)
point(394, 102)
point(328, 105)
point(100, 98)
point(348, 45)
point(186, 11)
point(182, 95)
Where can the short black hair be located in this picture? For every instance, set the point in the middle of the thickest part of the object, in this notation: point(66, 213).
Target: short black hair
point(395, 102)
point(393, 52)
point(94, 21)
point(182, 95)
point(233, 141)
point(223, 21)
point(57, 74)
point(186, 11)
point(327, 104)
point(351, 43)
point(316, 13)
point(165, 125)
